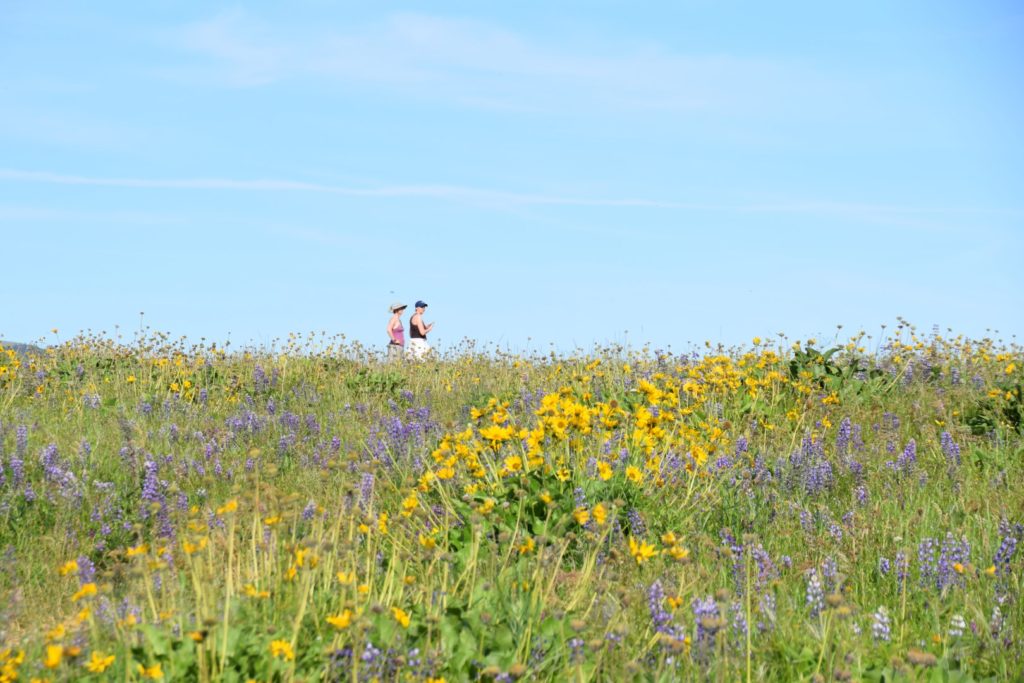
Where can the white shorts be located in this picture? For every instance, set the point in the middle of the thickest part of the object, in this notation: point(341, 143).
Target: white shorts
point(418, 348)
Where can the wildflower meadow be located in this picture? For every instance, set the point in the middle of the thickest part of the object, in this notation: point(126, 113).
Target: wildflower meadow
point(787, 510)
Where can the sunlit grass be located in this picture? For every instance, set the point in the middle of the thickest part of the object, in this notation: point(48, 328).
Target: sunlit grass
point(786, 510)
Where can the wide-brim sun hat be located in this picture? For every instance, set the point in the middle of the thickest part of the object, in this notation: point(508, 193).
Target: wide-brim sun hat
point(396, 306)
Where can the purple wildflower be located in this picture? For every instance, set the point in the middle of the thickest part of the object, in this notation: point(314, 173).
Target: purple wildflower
point(881, 625)
point(815, 592)
point(366, 491)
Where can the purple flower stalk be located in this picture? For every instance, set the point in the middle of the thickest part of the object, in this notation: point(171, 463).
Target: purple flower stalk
point(815, 592)
point(881, 625)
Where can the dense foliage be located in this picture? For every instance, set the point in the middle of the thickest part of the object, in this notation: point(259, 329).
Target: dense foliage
point(783, 511)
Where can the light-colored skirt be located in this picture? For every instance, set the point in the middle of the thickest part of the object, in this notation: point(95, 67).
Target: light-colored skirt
point(417, 348)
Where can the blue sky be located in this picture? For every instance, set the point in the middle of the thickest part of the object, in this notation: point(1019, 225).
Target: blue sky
point(569, 173)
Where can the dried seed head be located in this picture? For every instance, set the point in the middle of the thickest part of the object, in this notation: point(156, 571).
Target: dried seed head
point(921, 658)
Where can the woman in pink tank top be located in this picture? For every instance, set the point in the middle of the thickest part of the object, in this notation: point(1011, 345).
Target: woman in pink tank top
point(396, 331)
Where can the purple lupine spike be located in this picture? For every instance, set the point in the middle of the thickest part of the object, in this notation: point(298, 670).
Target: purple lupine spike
point(881, 625)
point(705, 608)
point(815, 592)
point(366, 491)
point(660, 617)
point(950, 449)
point(21, 440)
point(843, 435)
point(927, 564)
point(86, 570)
point(637, 525)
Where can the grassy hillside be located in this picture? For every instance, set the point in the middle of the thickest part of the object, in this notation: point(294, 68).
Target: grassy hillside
point(782, 511)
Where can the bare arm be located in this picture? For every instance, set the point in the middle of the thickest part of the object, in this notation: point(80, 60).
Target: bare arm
point(418, 322)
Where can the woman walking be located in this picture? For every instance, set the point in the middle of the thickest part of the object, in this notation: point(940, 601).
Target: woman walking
point(418, 346)
point(396, 331)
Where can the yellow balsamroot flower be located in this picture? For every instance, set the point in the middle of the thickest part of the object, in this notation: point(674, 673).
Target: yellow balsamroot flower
point(382, 523)
point(427, 542)
point(56, 633)
point(563, 474)
point(154, 672)
point(496, 434)
point(130, 379)
point(991, 571)
point(227, 507)
point(410, 504)
point(99, 662)
point(303, 556)
point(527, 546)
point(401, 616)
point(252, 592)
point(634, 474)
point(363, 588)
point(364, 529)
point(545, 497)
point(346, 578)
point(54, 655)
point(137, 550)
point(68, 567)
point(1010, 368)
point(341, 621)
point(678, 552)
point(272, 520)
point(604, 470)
point(291, 573)
point(581, 515)
point(83, 615)
point(641, 551)
point(282, 649)
point(513, 463)
point(191, 548)
point(600, 514)
point(87, 590)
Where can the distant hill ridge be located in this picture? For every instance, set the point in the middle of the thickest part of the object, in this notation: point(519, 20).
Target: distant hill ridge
point(18, 347)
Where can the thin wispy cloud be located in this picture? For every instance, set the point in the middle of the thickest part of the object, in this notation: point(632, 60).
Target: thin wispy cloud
point(909, 216)
point(457, 193)
point(479, 64)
